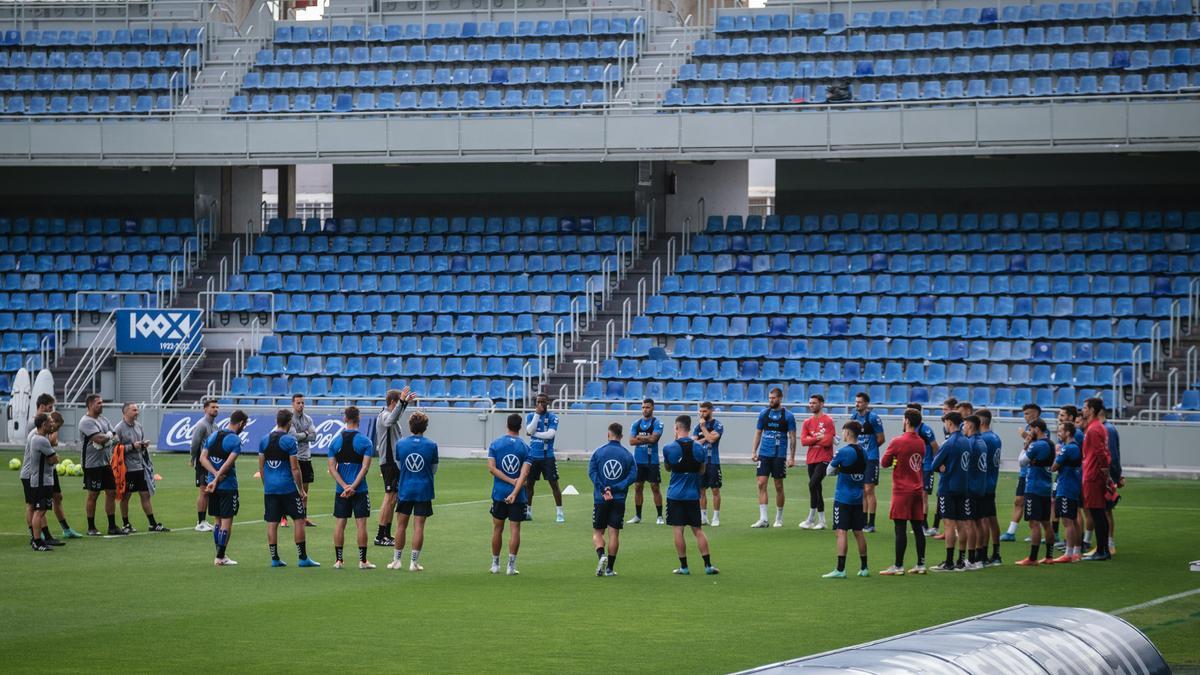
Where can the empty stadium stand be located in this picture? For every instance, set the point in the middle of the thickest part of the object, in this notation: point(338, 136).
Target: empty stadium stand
point(439, 66)
point(53, 269)
point(456, 308)
point(117, 71)
point(1009, 52)
point(996, 308)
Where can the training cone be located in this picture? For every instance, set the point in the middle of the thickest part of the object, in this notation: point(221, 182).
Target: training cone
point(570, 490)
point(158, 476)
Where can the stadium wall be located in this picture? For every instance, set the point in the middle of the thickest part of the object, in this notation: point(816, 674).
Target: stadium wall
point(71, 190)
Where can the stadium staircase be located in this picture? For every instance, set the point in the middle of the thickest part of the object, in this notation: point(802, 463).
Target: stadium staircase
point(1162, 393)
point(651, 76)
point(230, 56)
point(209, 368)
point(561, 382)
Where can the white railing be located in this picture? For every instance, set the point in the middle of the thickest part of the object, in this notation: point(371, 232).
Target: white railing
point(178, 366)
point(563, 395)
point(1176, 324)
point(559, 339)
point(543, 361)
point(656, 276)
point(641, 296)
point(578, 382)
point(1191, 363)
point(626, 316)
point(610, 338)
point(1193, 303)
point(1172, 388)
point(101, 348)
point(1155, 349)
point(1138, 377)
point(671, 253)
point(1118, 393)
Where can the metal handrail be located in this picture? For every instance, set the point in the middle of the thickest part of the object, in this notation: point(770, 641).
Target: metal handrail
point(655, 276)
point(1191, 366)
point(610, 338)
point(1155, 348)
point(182, 360)
point(1176, 319)
point(103, 346)
point(626, 317)
point(1136, 369)
point(1172, 388)
point(671, 255)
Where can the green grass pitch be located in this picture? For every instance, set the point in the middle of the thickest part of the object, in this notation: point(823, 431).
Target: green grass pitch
point(156, 603)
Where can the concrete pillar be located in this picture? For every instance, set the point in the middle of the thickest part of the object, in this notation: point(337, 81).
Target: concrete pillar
point(241, 199)
point(704, 189)
point(286, 190)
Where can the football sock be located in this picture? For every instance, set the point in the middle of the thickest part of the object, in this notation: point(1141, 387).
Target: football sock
point(707, 560)
point(949, 557)
point(362, 554)
point(919, 534)
point(871, 519)
point(274, 548)
point(599, 551)
point(112, 520)
point(779, 513)
point(416, 555)
point(841, 563)
point(337, 551)
point(152, 521)
point(901, 543)
point(1012, 527)
point(64, 524)
point(638, 509)
point(658, 507)
point(1033, 551)
point(382, 533)
point(612, 561)
point(199, 517)
point(762, 511)
point(863, 560)
point(512, 560)
point(91, 522)
point(683, 563)
point(302, 549)
point(398, 555)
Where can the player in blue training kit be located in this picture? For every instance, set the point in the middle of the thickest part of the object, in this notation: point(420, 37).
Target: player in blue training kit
point(953, 462)
point(988, 510)
point(509, 464)
point(221, 450)
point(644, 435)
point(925, 432)
point(349, 458)
point(542, 426)
point(1031, 411)
point(708, 434)
point(1039, 457)
point(774, 447)
point(612, 470)
point(685, 460)
point(872, 442)
point(417, 458)
point(850, 466)
point(283, 488)
point(1068, 462)
point(976, 487)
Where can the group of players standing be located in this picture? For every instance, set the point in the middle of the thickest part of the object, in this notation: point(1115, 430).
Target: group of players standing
point(132, 470)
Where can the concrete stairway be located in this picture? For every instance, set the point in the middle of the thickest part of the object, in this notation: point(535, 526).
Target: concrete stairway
point(667, 49)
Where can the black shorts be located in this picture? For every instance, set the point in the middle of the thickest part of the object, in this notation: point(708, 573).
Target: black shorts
point(56, 488)
point(99, 478)
point(985, 506)
point(683, 512)
point(410, 508)
point(502, 510)
point(135, 481)
point(543, 468)
point(391, 477)
point(38, 498)
point(201, 475)
point(848, 516)
point(775, 467)
point(711, 477)
point(954, 507)
point(1037, 508)
point(649, 473)
point(306, 471)
point(609, 513)
point(223, 504)
point(275, 507)
point(928, 477)
point(357, 505)
point(1021, 486)
point(1065, 507)
point(871, 476)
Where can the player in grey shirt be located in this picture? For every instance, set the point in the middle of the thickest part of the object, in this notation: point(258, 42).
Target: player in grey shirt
point(387, 433)
point(138, 468)
point(305, 433)
point(200, 432)
point(37, 479)
point(96, 435)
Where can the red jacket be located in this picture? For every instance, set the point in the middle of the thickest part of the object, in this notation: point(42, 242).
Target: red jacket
point(908, 451)
point(1096, 457)
point(818, 450)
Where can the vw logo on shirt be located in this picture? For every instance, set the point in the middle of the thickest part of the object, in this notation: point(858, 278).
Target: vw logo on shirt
point(983, 462)
point(914, 462)
point(511, 463)
point(414, 462)
point(613, 469)
point(965, 461)
point(998, 455)
point(274, 463)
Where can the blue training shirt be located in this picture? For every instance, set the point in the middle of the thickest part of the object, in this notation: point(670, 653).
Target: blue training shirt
point(994, 454)
point(646, 454)
point(977, 472)
point(955, 457)
point(685, 475)
point(510, 454)
point(1038, 480)
point(417, 458)
point(713, 450)
point(611, 466)
point(350, 462)
point(871, 425)
point(540, 448)
point(1070, 471)
point(1024, 470)
point(277, 448)
point(849, 489)
point(1114, 451)
point(775, 425)
point(926, 434)
point(231, 444)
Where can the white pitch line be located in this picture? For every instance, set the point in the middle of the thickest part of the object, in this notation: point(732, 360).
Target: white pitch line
point(1155, 602)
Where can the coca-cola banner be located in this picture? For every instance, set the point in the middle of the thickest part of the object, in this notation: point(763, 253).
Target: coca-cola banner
point(175, 434)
